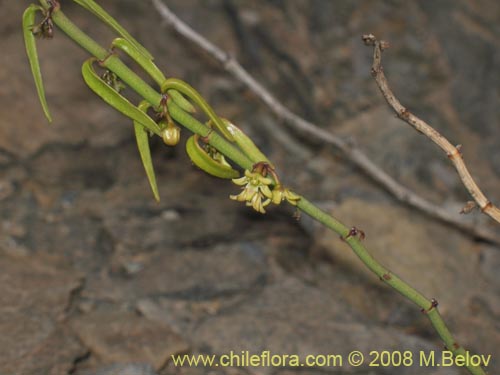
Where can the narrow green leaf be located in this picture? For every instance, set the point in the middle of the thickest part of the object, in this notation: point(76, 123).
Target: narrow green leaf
point(245, 143)
point(99, 12)
point(154, 72)
point(218, 168)
point(186, 89)
point(115, 99)
point(144, 62)
point(142, 138)
point(30, 43)
point(181, 101)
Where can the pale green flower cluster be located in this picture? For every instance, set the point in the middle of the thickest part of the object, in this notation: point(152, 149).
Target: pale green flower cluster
point(257, 192)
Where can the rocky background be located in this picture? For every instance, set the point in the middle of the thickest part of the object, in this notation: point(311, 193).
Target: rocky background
point(96, 278)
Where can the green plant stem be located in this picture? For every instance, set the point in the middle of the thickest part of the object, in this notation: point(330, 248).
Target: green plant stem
point(113, 63)
point(106, 58)
point(214, 139)
point(389, 278)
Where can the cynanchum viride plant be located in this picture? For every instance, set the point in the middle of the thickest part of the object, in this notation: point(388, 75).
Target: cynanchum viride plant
point(212, 144)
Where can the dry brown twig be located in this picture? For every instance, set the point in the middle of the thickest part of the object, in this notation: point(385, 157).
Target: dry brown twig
point(453, 152)
point(349, 151)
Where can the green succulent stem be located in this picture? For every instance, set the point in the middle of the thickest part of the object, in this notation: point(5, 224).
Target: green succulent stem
point(107, 59)
point(214, 139)
point(426, 305)
point(114, 64)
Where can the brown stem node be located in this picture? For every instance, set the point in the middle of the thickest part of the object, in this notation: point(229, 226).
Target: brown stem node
point(487, 206)
point(206, 138)
point(469, 206)
point(263, 168)
point(434, 304)
point(103, 61)
point(369, 39)
point(456, 152)
point(355, 232)
point(404, 114)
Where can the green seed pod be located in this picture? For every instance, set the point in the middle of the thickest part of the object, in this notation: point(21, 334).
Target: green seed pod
point(171, 135)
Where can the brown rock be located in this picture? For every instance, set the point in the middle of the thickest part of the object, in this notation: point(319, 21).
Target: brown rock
point(33, 297)
point(289, 317)
point(118, 337)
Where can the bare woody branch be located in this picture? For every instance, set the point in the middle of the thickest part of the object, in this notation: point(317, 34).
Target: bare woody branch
point(453, 152)
point(349, 151)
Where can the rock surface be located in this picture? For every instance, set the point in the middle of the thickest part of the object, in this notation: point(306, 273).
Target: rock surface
point(98, 279)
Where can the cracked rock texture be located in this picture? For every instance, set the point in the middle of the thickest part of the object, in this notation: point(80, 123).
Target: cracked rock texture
point(96, 278)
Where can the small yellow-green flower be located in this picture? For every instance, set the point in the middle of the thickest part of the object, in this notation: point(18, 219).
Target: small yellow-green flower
point(281, 193)
point(256, 192)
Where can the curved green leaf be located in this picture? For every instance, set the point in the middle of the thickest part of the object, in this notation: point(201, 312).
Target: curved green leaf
point(144, 62)
point(181, 101)
point(200, 158)
point(186, 89)
point(99, 12)
point(142, 138)
point(30, 43)
point(154, 72)
point(245, 143)
point(115, 99)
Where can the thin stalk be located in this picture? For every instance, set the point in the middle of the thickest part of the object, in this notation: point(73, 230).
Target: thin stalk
point(428, 307)
point(214, 139)
point(113, 63)
point(106, 58)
